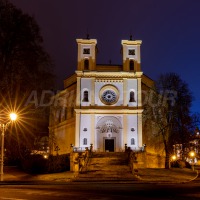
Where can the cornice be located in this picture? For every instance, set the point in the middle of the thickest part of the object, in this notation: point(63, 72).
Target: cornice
point(97, 74)
point(108, 111)
point(131, 42)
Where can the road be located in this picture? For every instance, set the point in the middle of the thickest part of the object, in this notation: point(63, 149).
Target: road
point(101, 191)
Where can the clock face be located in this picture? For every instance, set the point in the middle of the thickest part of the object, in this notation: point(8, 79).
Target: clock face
point(109, 95)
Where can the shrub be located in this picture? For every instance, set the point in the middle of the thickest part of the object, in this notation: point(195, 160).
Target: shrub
point(37, 164)
point(180, 164)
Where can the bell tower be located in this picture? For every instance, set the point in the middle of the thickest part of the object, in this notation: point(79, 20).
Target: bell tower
point(86, 54)
point(131, 55)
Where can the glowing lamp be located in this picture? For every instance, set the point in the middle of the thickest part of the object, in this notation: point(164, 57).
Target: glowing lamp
point(13, 116)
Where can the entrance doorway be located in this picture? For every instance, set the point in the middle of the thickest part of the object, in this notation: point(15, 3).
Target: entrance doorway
point(109, 145)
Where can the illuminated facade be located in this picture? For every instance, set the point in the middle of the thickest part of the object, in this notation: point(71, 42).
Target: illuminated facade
point(101, 105)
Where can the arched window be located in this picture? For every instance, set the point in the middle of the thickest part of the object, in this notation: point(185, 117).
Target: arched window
point(132, 141)
point(132, 97)
point(85, 141)
point(85, 96)
point(131, 65)
point(86, 64)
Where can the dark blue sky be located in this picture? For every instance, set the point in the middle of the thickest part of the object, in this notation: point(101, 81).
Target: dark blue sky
point(169, 29)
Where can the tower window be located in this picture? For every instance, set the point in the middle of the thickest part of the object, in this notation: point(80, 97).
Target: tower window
point(86, 64)
point(131, 52)
point(85, 96)
point(85, 141)
point(86, 51)
point(132, 97)
point(132, 141)
point(131, 64)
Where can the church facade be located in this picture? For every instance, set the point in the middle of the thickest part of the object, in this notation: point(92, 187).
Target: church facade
point(101, 105)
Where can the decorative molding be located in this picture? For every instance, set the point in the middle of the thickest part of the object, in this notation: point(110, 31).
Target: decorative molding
point(109, 74)
point(109, 81)
point(108, 111)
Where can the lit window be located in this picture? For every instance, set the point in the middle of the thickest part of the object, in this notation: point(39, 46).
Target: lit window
point(85, 141)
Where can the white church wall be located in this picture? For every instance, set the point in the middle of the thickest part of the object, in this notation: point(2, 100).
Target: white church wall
point(85, 130)
point(132, 87)
point(132, 131)
point(99, 85)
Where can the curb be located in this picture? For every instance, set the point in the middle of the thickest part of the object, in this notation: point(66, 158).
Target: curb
point(166, 182)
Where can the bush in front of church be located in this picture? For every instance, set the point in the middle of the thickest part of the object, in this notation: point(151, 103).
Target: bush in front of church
point(58, 163)
point(37, 164)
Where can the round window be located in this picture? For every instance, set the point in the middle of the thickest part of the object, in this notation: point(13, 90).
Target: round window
point(109, 95)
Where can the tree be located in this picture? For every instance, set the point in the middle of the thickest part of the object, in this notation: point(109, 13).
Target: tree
point(179, 104)
point(168, 109)
point(24, 67)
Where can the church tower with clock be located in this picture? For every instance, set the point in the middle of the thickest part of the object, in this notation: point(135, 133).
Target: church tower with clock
point(102, 103)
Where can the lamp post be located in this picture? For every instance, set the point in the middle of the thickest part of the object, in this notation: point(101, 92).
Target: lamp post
point(192, 155)
point(3, 128)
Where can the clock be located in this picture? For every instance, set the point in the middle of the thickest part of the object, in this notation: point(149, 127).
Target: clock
point(109, 94)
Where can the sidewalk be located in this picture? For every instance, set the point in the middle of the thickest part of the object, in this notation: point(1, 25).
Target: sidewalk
point(15, 174)
point(173, 175)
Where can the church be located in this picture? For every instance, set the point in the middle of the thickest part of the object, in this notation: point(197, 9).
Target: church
point(101, 105)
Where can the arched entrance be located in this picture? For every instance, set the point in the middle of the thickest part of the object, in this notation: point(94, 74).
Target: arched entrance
point(109, 134)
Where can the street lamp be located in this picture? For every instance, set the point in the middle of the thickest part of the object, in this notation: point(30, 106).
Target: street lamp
point(3, 128)
point(192, 155)
point(173, 158)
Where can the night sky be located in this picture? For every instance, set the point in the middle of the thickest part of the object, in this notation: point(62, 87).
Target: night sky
point(169, 29)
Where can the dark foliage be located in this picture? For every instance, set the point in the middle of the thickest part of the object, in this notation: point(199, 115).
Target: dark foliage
point(37, 164)
point(180, 164)
point(25, 69)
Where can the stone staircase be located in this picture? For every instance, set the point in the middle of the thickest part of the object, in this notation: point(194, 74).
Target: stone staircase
point(107, 166)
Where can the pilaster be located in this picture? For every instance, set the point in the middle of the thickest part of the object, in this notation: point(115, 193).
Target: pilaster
point(93, 92)
point(124, 130)
point(139, 92)
point(78, 92)
point(77, 130)
point(140, 142)
point(93, 131)
point(125, 92)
